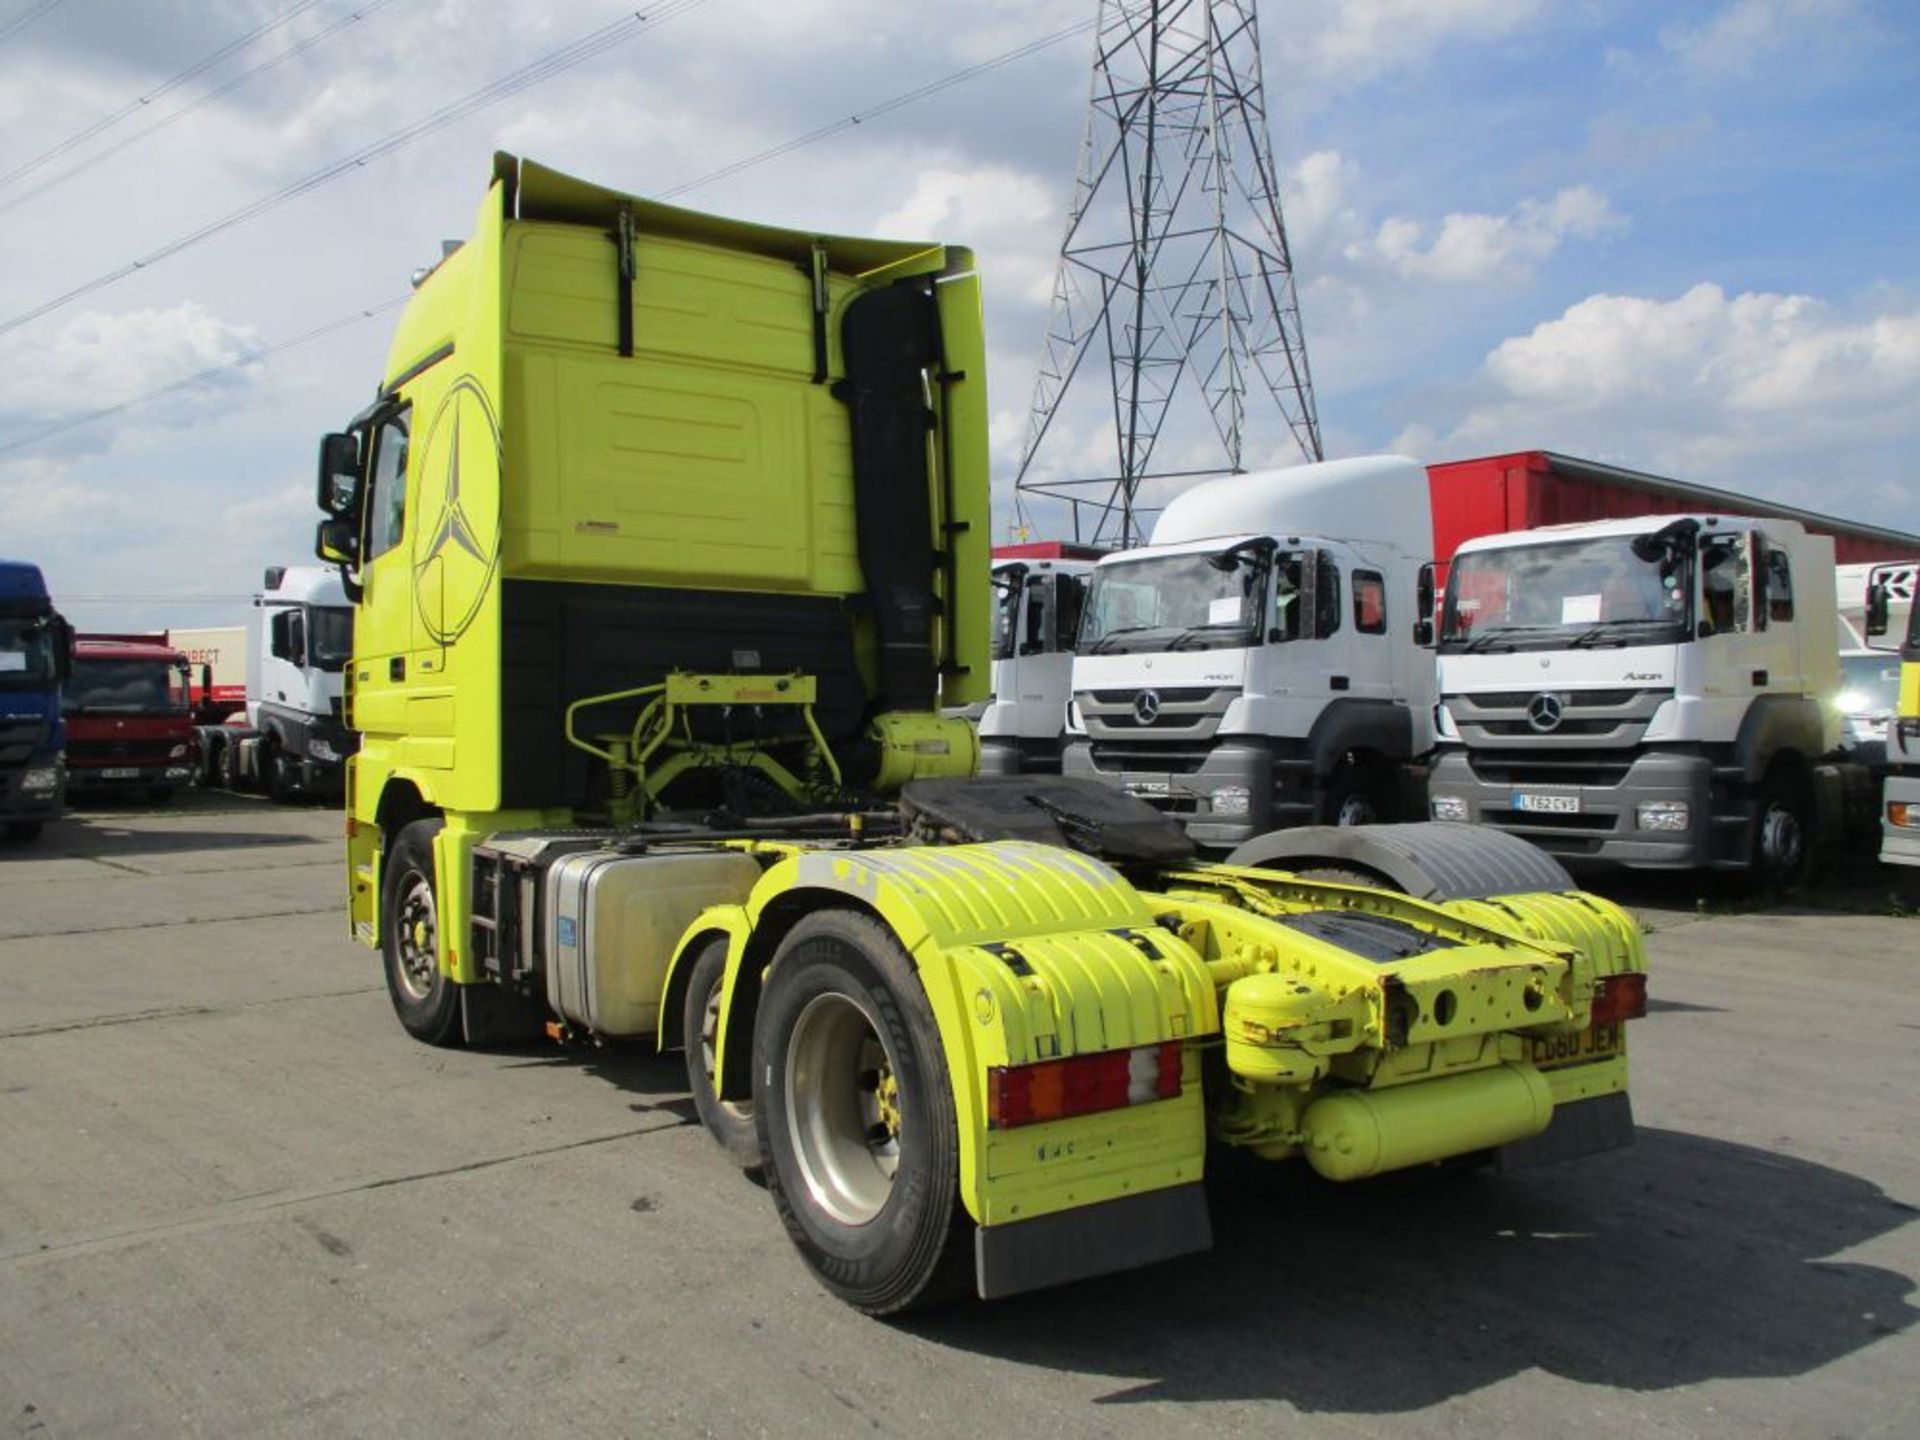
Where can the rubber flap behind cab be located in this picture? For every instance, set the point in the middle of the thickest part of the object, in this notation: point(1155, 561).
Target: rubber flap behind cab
point(890, 338)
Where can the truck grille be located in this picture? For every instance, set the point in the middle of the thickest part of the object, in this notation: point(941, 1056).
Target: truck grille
point(1183, 713)
point(19, 739)
point(1151, 759)
point(1534, 767)
point(1594, 720)
point(120, 752)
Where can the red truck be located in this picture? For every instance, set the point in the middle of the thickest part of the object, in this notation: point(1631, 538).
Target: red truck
point(129, 717)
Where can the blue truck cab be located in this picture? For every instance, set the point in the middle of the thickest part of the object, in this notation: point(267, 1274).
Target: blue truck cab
point(36, 646)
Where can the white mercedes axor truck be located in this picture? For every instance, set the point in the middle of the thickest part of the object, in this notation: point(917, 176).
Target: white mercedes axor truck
point(1261, 663)
point(294, 740)
point(1655, 692)
point(1038, 596)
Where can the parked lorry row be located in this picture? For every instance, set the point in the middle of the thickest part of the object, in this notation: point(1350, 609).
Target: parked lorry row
point(1660, 691)
point(667, 538)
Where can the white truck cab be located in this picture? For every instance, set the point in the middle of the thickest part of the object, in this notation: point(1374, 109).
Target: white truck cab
point(1039, 591)
point(1259, 663)
point(299, 643)
point(1657, 692)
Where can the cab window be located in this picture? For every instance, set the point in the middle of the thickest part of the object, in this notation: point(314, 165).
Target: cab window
point(1369, 602)
point(387, 494)
point(1725, 585)
point(1779, 587)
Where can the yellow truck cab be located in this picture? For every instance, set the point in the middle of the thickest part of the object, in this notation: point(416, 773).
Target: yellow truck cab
point(668, 536)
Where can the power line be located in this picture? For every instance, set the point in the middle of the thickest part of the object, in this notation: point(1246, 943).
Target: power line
point(252, 357)
point(261, 356)
point(319, 37)
point(558, 62)
point(192, 72)
point(25, 18)
point(860, 117)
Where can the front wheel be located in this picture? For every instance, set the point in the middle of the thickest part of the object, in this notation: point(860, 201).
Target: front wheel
point(729, 1122)
point(1782, 834)
point(427, 1002)
point(856, 1116)
point(1356, 795)
point(281, 788)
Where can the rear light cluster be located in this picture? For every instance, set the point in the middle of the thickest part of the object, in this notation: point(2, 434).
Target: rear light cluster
point(1620, 997)
point(1081, 1085)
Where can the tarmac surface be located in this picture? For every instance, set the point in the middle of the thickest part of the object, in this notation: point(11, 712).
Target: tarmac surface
point(236, 1199)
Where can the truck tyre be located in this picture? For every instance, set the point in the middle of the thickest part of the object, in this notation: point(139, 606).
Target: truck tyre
point(856, 1116)
point(730, 1122)
point(1782, 832)
point(1356, 795)
point(427, 1002)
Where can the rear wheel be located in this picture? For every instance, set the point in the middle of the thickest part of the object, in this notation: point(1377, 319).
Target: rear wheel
point(729, 1122)
point(427, 1002)
point(856, 1116)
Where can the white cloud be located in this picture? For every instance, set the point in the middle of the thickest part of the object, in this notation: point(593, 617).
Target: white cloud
point(97, 359)
point(1736, 37)
point(1340, 43)
point(1739, 389)
point(1476, 248)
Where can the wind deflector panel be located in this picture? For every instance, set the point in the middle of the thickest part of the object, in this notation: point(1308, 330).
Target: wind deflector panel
point(890, 339)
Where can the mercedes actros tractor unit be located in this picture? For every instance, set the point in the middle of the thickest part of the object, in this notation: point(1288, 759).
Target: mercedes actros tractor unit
point(668, 541)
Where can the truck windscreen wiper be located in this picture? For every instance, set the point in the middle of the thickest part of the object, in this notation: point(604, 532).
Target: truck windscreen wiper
point(1105, 642)
point(1606, 633)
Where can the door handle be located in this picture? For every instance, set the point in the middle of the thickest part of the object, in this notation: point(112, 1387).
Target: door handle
point(397, 668)
point(1759, 677)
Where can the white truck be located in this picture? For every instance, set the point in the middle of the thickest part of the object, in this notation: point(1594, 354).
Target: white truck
point(1655, 692)
point(1261, 663)
point(294, 740)
point(1039, 591)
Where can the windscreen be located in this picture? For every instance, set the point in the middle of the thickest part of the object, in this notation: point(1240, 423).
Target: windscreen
point(26, 653)
point(124, 686)
point(1566, 592)
point(329, 636)
point(1173, 602)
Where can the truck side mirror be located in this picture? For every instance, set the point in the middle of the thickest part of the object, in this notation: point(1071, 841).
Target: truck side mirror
point(62, 649)
point(337, 542)
point(339, 488)
point(1877, 607)
point(1423, 607)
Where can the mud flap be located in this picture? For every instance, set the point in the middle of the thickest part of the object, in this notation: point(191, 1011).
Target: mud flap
point(1091, 1240)
point(1586, 1127)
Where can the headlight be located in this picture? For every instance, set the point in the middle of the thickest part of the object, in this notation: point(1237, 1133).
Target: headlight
point(320, 750)
point(178, 752)
point(40, 780)
point(1662, 815)
point(1449, 807)
point(1231, 800)
point(1903, 815)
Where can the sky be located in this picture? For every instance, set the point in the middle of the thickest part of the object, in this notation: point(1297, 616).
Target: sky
point(1675, 237)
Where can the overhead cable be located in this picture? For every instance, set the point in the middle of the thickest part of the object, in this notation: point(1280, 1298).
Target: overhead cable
point(164, 88)
point(527, 76)
point(10, 28)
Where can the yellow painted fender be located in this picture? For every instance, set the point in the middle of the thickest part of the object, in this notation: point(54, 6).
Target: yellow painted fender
point(1027, 952)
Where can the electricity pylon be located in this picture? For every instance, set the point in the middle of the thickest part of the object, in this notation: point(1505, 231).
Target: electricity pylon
point(1175, 267)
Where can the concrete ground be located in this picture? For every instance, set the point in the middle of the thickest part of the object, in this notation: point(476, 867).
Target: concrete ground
point(236, 1199)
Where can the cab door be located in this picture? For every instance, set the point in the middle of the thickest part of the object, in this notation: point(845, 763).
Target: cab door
point(384, 640)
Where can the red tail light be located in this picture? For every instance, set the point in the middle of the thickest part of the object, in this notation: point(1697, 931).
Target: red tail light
point(1081, 1085)
point(1620, 997)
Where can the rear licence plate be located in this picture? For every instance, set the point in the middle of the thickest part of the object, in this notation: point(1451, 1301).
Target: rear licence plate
point(118, 774)
point(1550, 1052)
point(1547, 804)
point(1147, 788)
